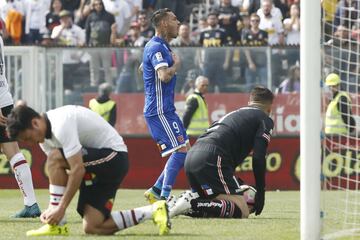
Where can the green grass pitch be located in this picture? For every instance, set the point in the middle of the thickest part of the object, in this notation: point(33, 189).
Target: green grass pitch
point(280, 219)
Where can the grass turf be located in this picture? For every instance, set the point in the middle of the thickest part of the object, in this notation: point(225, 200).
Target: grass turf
point(279, 220)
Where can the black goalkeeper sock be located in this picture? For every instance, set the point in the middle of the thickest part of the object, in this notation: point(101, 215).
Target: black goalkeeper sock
point(204, 208)
point(156, 190)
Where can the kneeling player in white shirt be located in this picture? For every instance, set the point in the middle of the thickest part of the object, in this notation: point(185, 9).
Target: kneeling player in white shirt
point(83, 152)
point(11, 149)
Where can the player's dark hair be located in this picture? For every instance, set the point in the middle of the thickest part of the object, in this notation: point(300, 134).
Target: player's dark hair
point(19, 120)
point(262, 95)
point(159, 15)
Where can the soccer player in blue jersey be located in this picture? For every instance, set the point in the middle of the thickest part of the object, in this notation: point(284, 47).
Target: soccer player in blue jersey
point(159, 73)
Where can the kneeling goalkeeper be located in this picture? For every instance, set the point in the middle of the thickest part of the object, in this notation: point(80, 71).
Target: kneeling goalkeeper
point(211, 162)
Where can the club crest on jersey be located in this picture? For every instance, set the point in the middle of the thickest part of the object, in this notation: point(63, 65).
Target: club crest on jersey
point(159, 56)
point(180, 138)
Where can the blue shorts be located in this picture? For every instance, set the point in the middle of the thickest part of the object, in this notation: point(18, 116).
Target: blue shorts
point(168, 131)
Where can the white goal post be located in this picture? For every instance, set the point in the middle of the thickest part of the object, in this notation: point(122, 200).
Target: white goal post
point(310, 115)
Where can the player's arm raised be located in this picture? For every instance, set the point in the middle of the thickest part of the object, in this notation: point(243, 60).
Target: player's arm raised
point(166, 73)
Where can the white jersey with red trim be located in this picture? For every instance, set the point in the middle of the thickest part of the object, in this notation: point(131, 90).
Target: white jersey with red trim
point(5, 96)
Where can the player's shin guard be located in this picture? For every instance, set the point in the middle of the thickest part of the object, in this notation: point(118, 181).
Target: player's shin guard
point(172, 168)
point(23, 177)
point(204, 208)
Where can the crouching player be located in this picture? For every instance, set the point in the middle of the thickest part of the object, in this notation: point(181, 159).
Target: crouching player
point(210, 164)
point(83, 152)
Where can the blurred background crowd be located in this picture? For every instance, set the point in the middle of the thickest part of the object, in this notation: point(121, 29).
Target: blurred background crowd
point(111, 34)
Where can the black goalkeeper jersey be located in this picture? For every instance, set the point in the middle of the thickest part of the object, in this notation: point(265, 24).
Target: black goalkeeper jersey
point(238, 133)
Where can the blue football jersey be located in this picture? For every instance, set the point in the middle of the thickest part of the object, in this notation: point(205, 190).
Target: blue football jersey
point(159, 96)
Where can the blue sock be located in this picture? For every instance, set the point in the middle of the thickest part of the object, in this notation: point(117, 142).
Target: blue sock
point(174, 164)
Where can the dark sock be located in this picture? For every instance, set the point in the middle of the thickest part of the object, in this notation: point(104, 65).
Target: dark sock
point(204, 208)
point(156, 190)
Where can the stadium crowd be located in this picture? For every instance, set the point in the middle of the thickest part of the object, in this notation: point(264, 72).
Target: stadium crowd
point(125, 24)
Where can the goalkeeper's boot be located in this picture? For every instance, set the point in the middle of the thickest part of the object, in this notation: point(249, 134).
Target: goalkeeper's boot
point(151, 196)
point(183, 203)
point(32, 211)
point(171, 201)
point(49, 230)
point(161, 217)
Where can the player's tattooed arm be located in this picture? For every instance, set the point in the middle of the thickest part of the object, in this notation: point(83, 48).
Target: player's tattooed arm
point(166, 73)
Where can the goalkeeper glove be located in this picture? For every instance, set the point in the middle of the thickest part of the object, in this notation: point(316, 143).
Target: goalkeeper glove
point(259, 201)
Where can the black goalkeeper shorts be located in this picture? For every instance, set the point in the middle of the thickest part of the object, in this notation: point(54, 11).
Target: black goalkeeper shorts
point(105, 170)
point(209, 173)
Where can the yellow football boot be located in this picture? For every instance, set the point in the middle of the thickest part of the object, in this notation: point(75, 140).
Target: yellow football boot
point(161, 217)
point(49, 230)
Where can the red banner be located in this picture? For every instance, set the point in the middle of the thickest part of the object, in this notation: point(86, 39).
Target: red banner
point(285, 112)
point(282, 163)
point(130, 118)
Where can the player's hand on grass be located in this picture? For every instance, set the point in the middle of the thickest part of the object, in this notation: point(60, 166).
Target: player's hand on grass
point(259, 201)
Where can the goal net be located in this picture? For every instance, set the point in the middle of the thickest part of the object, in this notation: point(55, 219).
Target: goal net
point(340, 195)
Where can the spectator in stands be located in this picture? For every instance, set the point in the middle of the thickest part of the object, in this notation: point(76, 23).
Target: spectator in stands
point(98, 33)
point(292, 26)
point(52, 18)
point(329, 9)
point(69, 34)
point(146, 30)
point(186, 55)
point(84, 10)
point(103, 105)
point(292, 83)
point(271, 22)
point(243, 27)
point(201, 25)
point(196, 116)
point(17, 5)
point(355, 32)
point(214, 36)
point(123, 12)
point(189, 85)
point(255, 71)
point(134, 37)
point(283, 7)
point(183, 39)
point(268, 9)
point(35, 23)
point(178, 7)
point(347, 12)
point(228, 16)
point(13, 13)
point(71, 5)
point(3, 32)
point(247, 7)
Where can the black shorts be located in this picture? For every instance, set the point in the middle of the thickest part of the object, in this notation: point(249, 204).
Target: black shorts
point(105, 170)
point(3, 134)
point(209, 173)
